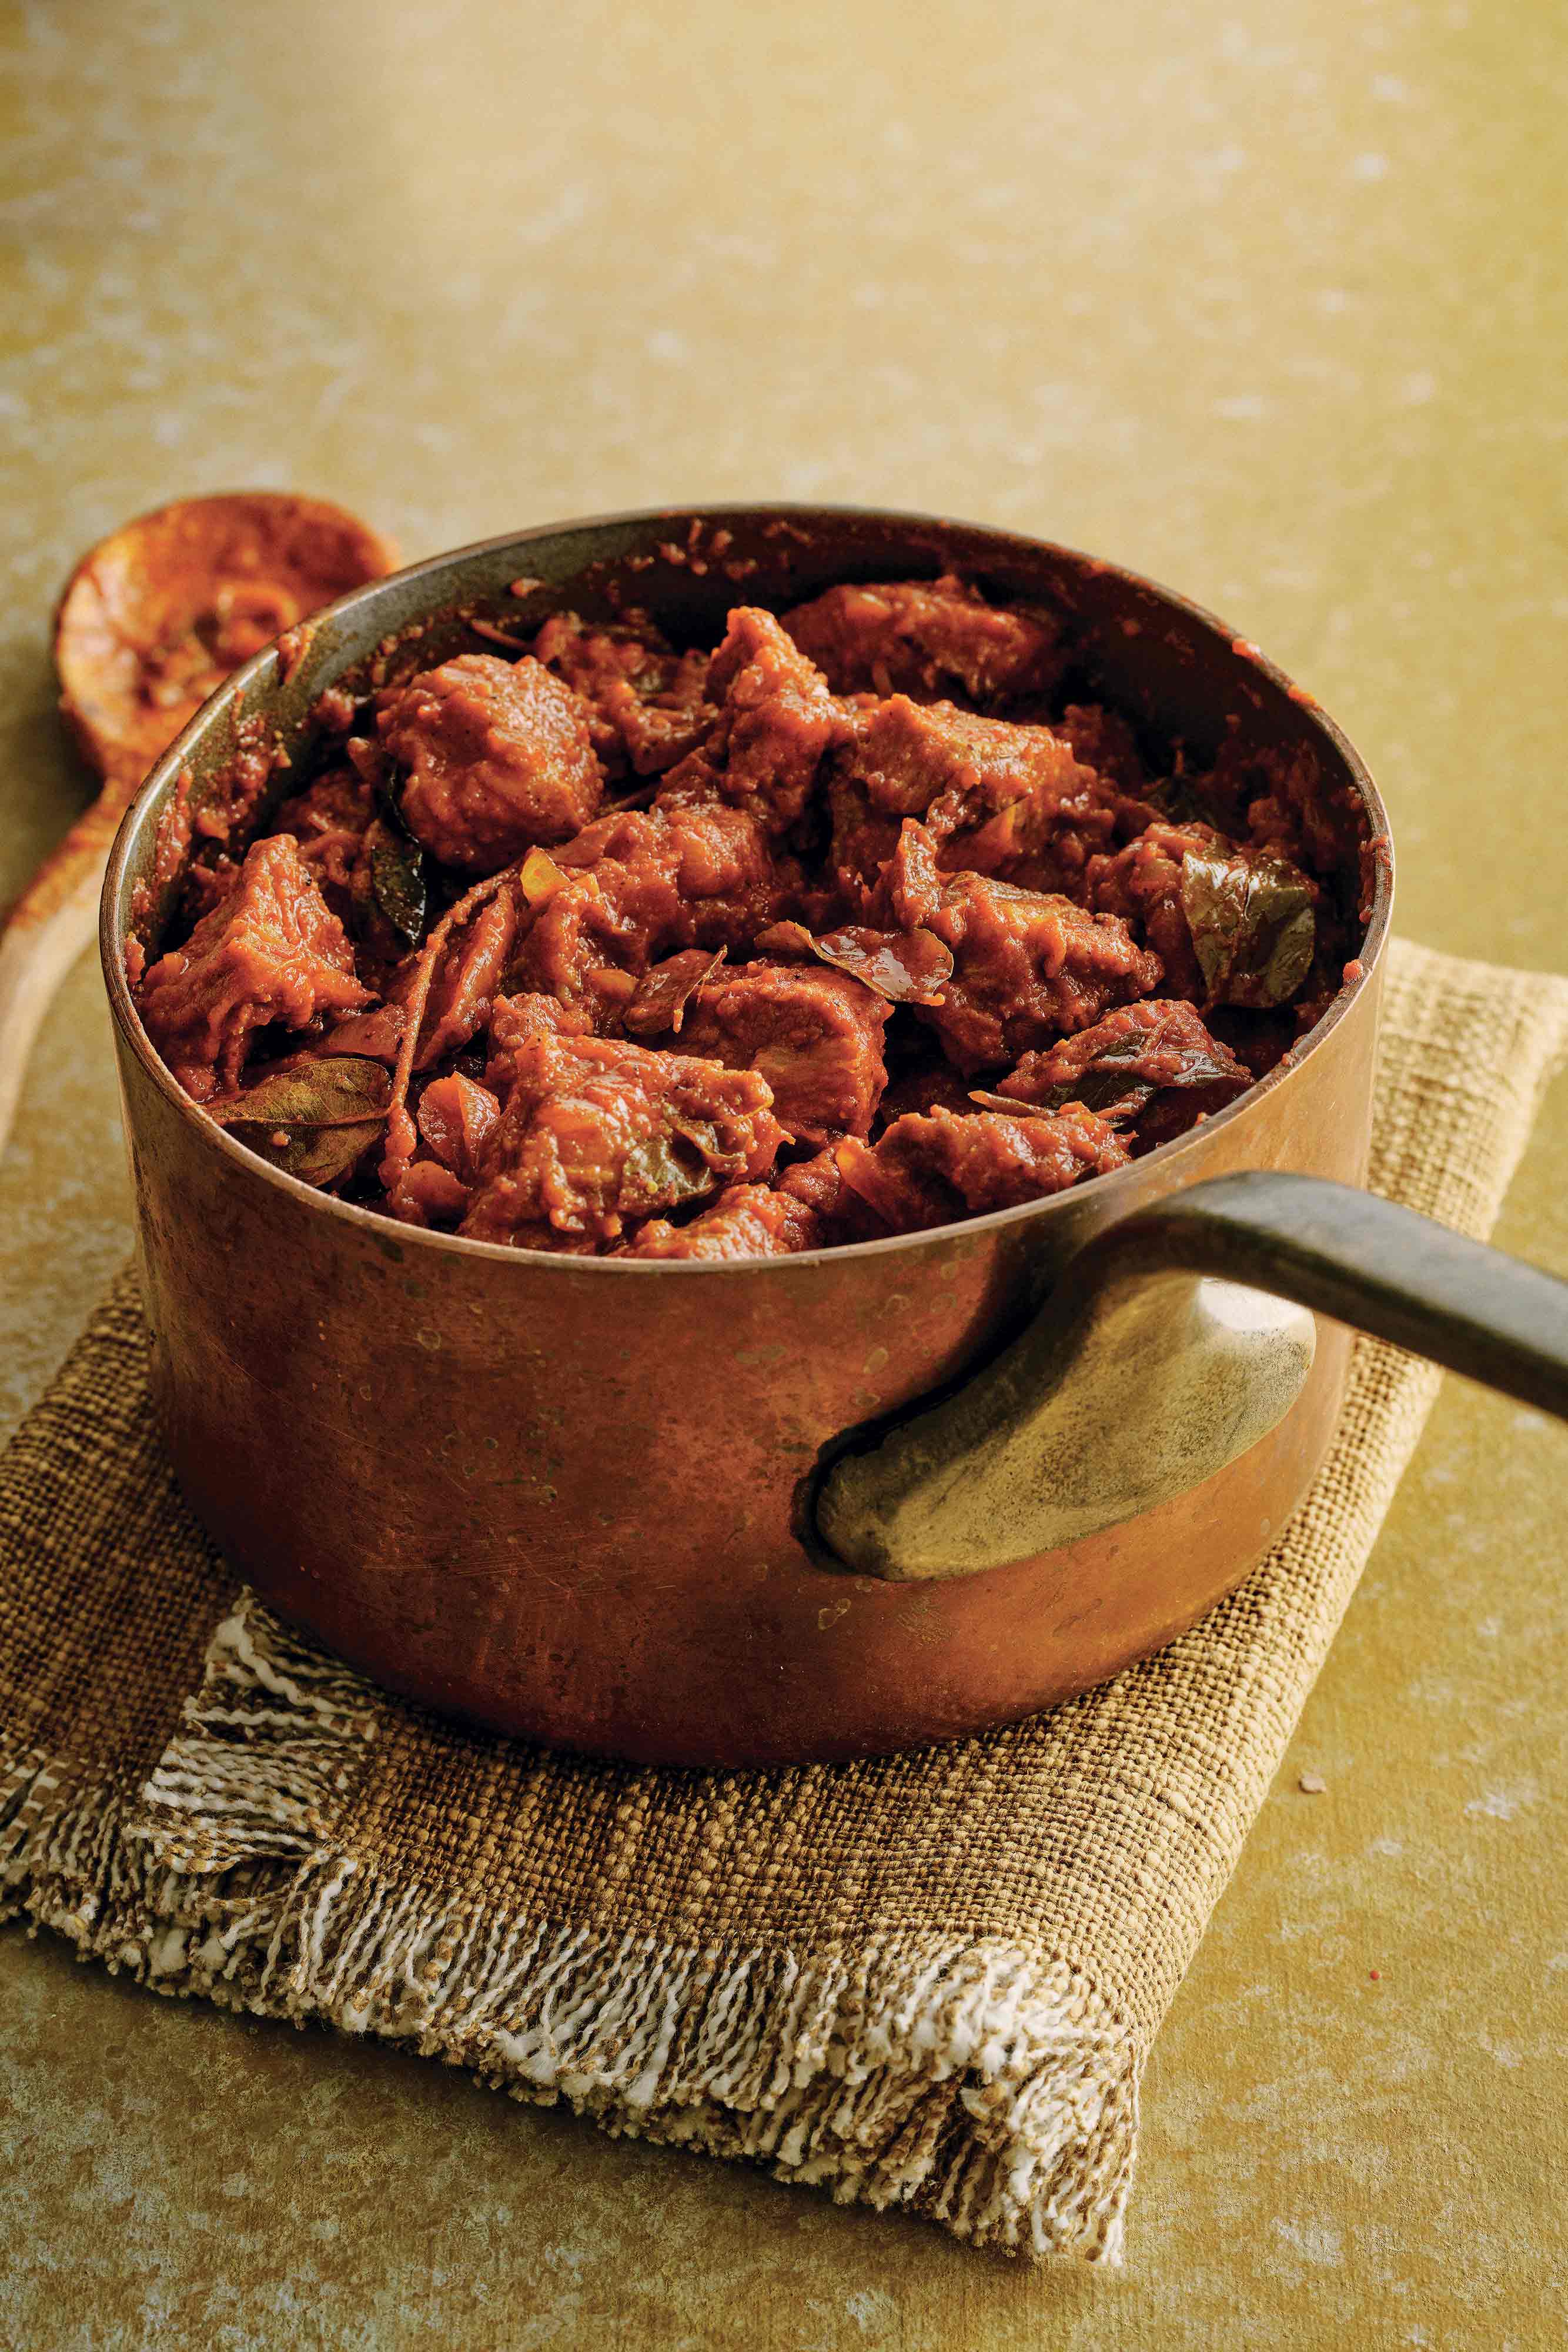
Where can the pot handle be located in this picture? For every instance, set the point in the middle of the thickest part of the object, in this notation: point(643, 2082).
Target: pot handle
point(1135, 1382)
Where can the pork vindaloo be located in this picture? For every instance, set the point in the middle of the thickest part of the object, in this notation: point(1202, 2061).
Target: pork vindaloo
point(852, 924)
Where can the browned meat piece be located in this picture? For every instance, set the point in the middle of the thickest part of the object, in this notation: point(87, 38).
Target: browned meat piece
point(912, 880)
point(635, 887)
point(727, 879)
point(927, 1171)
point(996, 798)
point(517, 1023)
point(842, 1215)
point(272, 950)
point(596, 1132)
point(426, 1194)
point(1152, 1065)
point(956, 769)
point(1280, 799)
point(496, 755)
point(815, 1035)
point(862, 839)
point(1102, 740)
point(647, 704)
point(1141, 884)
point(777, 722)
point(1299, 818)
point(926, 640)
point(329, 820)
point(1026, 968)
point(747, 1221)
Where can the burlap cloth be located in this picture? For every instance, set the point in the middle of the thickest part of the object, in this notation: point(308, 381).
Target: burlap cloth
point(929, 1980)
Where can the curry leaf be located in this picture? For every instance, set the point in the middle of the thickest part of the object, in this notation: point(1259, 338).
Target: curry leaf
point(783, 939)
point(659, 1007)
point(1251, 915)
point(400, 880)
point(313, 1119)
point(316, 1155)
point(905, 967)
point(329, 1091)
point(1110, 1091)
point(1118, 1080)
point(391, 782)
point(703, 1137)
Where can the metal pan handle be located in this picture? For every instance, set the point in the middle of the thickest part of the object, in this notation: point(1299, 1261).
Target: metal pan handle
point(1137, 1382)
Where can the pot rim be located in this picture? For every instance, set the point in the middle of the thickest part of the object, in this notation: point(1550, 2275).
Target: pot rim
point(262, 669)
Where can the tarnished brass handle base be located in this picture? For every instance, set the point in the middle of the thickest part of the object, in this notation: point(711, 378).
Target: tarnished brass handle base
point(1172, 1343)
point(1106, 1406)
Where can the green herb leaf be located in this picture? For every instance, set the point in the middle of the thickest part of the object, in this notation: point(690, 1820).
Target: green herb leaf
point(906, 967)
point(324, 1090)
point(314, 1118)
point(1251, 915)
point(389, 789)
point(316, 1155)
point(399, 880)
point(1113, 1080)
point(659, 1007)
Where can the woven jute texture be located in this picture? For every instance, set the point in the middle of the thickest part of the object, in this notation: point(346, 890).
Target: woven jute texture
point(927, 1980)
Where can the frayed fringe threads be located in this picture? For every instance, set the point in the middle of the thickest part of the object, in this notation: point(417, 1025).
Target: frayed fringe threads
point(994, 2095)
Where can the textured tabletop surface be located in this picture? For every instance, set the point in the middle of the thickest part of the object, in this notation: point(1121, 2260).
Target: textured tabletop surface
point(1266, 302)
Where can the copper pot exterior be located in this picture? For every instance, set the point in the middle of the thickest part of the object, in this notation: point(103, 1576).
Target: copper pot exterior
point(562, 1498)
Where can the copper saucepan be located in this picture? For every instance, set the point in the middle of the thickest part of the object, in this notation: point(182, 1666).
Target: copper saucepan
point(811, 1507)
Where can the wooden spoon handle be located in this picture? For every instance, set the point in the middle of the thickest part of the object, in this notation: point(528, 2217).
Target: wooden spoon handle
point(46, 930)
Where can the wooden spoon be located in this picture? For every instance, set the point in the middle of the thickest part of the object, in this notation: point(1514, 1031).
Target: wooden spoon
point(152, 621)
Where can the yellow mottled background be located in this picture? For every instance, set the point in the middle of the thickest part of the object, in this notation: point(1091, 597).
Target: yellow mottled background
point(1267, 301)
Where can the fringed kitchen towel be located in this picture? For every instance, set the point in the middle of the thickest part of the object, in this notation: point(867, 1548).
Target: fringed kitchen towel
point(929, 1980)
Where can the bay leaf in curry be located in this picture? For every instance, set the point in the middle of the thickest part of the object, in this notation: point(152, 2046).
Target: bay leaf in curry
point(400, 881)
point(313, 1119)
point(659, 1005)
point(1116, 1082)
point(904, 967)
point(1252, 924)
